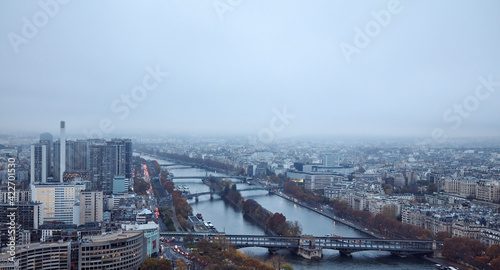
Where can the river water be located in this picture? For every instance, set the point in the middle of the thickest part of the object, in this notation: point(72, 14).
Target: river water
point(230, 220)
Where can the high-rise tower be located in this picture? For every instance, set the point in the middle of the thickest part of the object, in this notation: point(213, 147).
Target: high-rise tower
point(38, 163)
point(62, 155)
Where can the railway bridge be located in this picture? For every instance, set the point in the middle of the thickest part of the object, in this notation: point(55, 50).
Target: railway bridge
point(311, 247)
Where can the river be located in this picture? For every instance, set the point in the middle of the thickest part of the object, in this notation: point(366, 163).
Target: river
point(230, 220)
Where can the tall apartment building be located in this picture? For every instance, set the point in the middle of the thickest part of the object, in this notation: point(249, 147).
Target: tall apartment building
point(28, 214)
point(80, 158)
point(48, 156)
point(91, 206)
point(100, 160)
point(28, 217)
point(76, 156)
point(103, 160)
point(107, 160)
point(38, 169)
point(98, 165)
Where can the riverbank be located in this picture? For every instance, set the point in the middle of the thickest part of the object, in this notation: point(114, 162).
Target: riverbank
point(230, 220)
point(239, 206)
point(446, 263)
point(329, 214)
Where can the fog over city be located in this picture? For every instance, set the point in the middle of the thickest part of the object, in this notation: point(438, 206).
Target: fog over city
point(260, 68)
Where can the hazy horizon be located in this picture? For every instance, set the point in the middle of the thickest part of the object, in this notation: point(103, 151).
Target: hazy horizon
point(267, 70)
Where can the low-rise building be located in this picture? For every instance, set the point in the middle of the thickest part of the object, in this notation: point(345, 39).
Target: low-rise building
point(321, 180)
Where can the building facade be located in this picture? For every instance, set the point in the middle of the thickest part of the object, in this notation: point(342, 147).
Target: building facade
point(151, 234)
point(57, 201)
point(91, 206)
point(38, 164)
point(117, 251)
point(47, 256)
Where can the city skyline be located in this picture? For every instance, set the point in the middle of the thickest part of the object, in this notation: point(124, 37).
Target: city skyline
point(268, 71)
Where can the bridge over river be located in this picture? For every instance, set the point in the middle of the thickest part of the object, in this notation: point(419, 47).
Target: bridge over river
point(311, 247)
point(219, 192)
point(205, 177)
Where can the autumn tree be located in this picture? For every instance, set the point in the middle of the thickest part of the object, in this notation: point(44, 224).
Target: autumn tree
point(240, 171)
point(155, 264)
point(181, 265)
point(481, 261)
point(295, 228)
point(169, 186)
point(277, 223)
point(220, 255)
point(256, 211)
point(495, 264)
point(390, 211)
point(463, 249)
point(276, 261)
point(140, 186)
point(341, 208)
point(493, 251)
point(442, 235)
point(157, 166)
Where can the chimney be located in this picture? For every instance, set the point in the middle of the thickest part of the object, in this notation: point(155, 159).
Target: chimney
point(62, 155)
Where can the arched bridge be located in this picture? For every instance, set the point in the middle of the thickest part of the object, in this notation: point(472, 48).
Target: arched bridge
point(206, 177)
point(211, 193)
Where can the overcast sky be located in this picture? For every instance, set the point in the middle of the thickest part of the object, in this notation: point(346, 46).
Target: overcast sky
point(381, 68)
